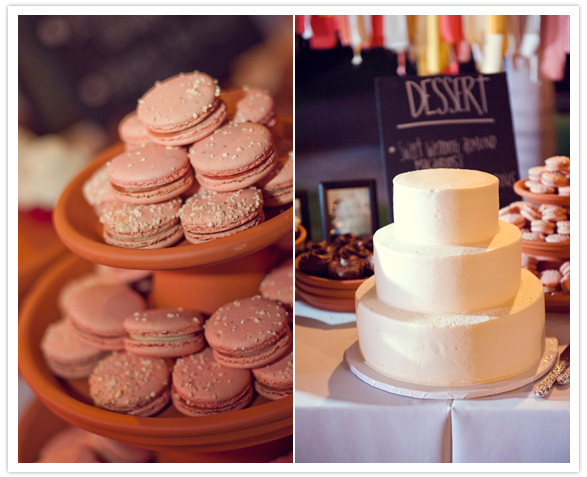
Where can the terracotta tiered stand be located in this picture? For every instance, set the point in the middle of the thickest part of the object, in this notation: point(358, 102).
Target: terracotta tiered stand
point(202, 276)
point(545, 251)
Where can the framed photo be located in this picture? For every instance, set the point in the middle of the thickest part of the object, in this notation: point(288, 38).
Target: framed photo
point(303, 212)
point(348, 207)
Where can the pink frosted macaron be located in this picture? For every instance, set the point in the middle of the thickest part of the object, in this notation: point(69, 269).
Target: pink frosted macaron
point(275, 381)
point(542, 227)
point(113, 451)
point(70, 288)
point(554, 214)
point(150, 174)
point(558, 238)
point(234, 157)
point(563, 227)
point(97, 190)
point(535, 173)
point(210, 215)
point(565, 283)
point(554, 179)
point(565, 268)
point(256, 106)
point(202, 386)
point(182, 109)
point(530, 213)
point(550, 280)
point(542, 189)
point(66, 355)
point(142, 226)
point(68, 446)
point(97, 314)
point(248, 333)
point(131, 384)
point(533, 236)
point(133, 133)
point(515, 219)
point(277, 186)
point(557, 163)
point(564, 190)
point(278, 285)
point(164, 332)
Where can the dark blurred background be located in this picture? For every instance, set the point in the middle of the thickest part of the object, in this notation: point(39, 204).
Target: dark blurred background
point(337, 135)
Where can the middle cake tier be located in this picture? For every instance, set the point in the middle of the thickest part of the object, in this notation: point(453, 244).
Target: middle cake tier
point(440, 278)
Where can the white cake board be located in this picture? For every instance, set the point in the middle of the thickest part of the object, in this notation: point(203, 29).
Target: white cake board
point(328, 317)
point(359, 367)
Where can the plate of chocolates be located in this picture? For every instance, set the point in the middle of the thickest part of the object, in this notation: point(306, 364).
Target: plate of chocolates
point(329, 273)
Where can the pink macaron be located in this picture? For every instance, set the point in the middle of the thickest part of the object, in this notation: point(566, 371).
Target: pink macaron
point(554, 214)
point(277, 186)
point(182, 109)
point(150, 174)
point(248, 333)
point(554, 179)
point(557, 163)
point(564, 190)
point(164, 332)
point(234, 157)
point(515, 219)
point(542, 189)
point(256, 106)
point(210, 215)
point(275, 381)
point(202, 386)
point(142, 226)
point(133, 133)
point(66, 355)
point(98, 312)
point(68, 446)
point(563, 227)
point(542, 227)
point(565, 268)
point(530, 213)
point(278, 285)
point(131, 384)
point(550, 280)
point(97, 190)
point(533, 236)
point(535, 173)
point(558, 238)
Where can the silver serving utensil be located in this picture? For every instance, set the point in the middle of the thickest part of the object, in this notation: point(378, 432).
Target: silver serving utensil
point(547, 383)
point(564, 377)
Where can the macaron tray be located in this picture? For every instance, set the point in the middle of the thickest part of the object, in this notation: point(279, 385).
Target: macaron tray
point(81, 231)
point(262, 421)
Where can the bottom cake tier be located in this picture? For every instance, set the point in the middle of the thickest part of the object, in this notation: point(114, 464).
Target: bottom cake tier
point(452, 349)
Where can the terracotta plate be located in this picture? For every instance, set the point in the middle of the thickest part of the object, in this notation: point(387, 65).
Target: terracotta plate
point(557, 302)
point(326, 303)
point(262, 422)
point(547, 249)
point(326, 292)
point(80, 230)
point(554, 199)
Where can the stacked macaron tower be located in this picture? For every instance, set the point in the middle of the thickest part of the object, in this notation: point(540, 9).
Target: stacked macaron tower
point(138, 360)
point(545, 226)
point(184, 142)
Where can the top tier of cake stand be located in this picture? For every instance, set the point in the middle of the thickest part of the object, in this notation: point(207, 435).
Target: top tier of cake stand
point(80, 230)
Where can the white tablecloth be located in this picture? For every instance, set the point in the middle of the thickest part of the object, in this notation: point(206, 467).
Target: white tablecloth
point(341, 419)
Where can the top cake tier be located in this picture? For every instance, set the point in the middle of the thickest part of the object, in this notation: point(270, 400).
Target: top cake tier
point(446, 206)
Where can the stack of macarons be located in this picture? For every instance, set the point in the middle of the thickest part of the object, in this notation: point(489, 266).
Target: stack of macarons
point(137, 360)
point(278, 285)
point(539, 223)
point(552, 178)
point(182, 140)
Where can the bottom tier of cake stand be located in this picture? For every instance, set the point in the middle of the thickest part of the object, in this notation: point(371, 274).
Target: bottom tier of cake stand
point(261, 423)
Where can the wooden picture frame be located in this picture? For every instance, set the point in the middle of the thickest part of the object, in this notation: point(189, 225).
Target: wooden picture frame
point(348, 207)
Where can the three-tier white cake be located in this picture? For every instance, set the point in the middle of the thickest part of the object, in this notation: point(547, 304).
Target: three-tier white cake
point(449, 303)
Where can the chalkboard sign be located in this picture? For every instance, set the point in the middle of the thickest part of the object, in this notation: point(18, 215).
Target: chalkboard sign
point(458, 121)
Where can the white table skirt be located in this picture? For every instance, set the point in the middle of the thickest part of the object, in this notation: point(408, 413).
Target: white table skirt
point(341, 419)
